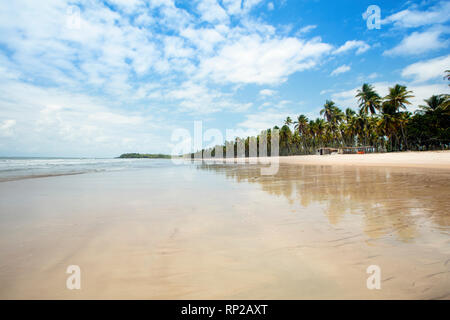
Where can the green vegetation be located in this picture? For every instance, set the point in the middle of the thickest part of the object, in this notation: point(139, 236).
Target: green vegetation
point(380, 122)
point(144, 156)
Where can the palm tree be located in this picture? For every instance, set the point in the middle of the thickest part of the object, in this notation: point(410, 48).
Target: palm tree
point(352, 128)
point(361, 127)
point(435, 102)
point(387, 127)
point(337, 116)
point(312, 131)
point(285, 138)
point(288, 121)
point(368, 99)
point(349, 114)
point(320, 130)
point(327, 110)
point(397, 99)
point(301, 124)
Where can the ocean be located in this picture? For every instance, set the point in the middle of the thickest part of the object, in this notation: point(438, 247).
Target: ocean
point(25, 168)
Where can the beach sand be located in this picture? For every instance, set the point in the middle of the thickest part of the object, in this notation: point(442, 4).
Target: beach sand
point(425, 159)
point(221, 231)
point(429, 159)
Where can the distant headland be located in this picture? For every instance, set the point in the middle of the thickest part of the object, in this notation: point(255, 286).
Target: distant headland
point(144, 156)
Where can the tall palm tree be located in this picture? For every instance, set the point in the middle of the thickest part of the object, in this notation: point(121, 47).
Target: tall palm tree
point(387, 127)
point(301, 124)
point(320, 130)
point(368, 99)
point(336, 118)
point(361, 127)
point(327, 110)
point(285, 138)
point(352, 129)
point(397, 99)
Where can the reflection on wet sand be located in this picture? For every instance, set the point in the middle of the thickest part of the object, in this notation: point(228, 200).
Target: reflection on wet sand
point(206, 231)
point(397, 218)
point(390, 200)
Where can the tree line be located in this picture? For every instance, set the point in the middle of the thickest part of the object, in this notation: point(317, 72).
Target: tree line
point(380, 122)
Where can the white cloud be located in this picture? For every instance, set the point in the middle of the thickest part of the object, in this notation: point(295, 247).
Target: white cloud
point(267, 92)
point(249, 4)
point(72, 124)
point(6, 127)
point(253, 59)
point(307, 29)
point(198, 98)
point(114, 118)
point(359, 45)
point(270, 6)
point(144, 20)
point(342, 69)
point(426, 70)
point(326, 91)
point(204, 39)
point(422, 92)
point(256, 122)
point(174, 47)
point(211, 11)
point(127, 5)
point(112, 52)
point(411, 18)
point(232, 6)
point(237, 7)
point(420, 42)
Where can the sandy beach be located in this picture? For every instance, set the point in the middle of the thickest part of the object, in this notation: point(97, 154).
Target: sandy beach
point(220, 231)
point(427, 159)
point(424, 159)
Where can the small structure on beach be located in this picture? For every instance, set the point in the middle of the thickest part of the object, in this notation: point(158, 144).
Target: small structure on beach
point(323, 151)
point(357, 150)
point(346, 150)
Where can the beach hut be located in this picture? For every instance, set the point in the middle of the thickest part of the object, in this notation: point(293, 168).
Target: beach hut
point(324, 151)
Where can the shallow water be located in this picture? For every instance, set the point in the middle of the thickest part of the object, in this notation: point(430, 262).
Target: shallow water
point(28, 168)
point(224, 231)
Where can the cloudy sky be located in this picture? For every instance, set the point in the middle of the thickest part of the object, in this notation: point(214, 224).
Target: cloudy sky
point(100, 78)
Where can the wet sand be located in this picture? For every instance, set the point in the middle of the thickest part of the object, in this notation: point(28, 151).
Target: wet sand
point(203, 231)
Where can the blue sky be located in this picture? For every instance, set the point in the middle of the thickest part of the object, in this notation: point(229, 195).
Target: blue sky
point(99, 78)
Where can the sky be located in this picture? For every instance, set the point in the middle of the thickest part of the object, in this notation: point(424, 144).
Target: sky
point(101, 78)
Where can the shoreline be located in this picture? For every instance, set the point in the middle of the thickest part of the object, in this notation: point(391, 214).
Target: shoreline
point(406, 159)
